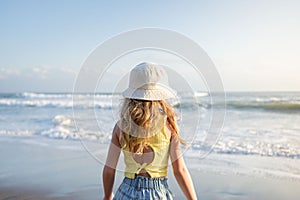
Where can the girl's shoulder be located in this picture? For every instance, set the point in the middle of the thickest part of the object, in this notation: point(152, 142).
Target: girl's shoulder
point(116, 134)
point(117, 129)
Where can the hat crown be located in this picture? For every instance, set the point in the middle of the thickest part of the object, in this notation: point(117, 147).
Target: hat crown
point(148, 81)
point(147, 75)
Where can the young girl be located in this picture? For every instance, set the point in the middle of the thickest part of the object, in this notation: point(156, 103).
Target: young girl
point(148, 135)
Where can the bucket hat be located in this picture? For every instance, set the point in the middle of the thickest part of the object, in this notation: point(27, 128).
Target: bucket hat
point(149, 81)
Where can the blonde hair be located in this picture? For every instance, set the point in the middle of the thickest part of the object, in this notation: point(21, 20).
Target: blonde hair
point(140, 119)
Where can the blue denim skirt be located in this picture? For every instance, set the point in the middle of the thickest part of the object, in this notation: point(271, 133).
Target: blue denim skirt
point(144, 188)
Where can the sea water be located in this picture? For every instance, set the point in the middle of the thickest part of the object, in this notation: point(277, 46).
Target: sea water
point(258, 126)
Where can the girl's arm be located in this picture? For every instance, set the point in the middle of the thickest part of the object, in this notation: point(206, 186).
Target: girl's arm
point(180, 170)
point(108, 174)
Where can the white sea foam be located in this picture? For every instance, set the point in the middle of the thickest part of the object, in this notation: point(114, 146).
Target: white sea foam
point(257, 148)
point(17, 132)
point(43, 114)
point(63, 103)
point(200, 94)
point(64, 128)
point(63, 120)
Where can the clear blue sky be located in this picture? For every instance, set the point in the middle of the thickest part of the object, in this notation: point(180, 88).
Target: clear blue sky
point(255, 44)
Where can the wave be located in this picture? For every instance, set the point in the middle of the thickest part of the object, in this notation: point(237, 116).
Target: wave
point(270, 106)
point(290, 107)
point(280, 103)
point(63, 100)
point(64, 129)
point(57, 103)
point(188, 105)
point(17, 132)
point(63, 120)
point(252, 148)
point(33, 95)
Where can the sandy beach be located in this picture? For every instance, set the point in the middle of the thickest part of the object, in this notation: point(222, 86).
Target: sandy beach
point(42, 168)
point(231, 76)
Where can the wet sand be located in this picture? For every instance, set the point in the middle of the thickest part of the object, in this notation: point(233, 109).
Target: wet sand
point(41, 168)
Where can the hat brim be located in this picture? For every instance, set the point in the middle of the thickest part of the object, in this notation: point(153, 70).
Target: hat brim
point(160, 93)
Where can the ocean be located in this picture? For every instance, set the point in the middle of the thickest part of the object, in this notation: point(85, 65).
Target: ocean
point(260, 125)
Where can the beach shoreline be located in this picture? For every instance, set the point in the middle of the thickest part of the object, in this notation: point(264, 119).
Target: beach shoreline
point(42, 168)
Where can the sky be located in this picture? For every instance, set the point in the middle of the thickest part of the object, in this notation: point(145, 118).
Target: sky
point(254, 44)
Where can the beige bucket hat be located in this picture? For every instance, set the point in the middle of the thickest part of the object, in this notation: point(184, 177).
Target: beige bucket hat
point(149, 81)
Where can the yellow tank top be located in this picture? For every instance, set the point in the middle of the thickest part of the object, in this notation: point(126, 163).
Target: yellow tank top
point(160, 144)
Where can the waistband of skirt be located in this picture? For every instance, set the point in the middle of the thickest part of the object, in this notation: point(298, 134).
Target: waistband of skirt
point(147, 182)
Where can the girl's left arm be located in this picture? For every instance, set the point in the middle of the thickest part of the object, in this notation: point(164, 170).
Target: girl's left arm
point(108, 174)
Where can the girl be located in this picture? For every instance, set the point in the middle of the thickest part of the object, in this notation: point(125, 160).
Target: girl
point(148, 135)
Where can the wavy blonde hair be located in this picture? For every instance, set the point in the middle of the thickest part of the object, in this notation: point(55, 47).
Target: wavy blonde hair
point(140, 119)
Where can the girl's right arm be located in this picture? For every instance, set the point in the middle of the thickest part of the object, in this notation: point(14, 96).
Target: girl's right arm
point(109, 169)
point(180, 170)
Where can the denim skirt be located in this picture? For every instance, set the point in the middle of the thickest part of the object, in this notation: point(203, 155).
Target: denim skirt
point(144, 188)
